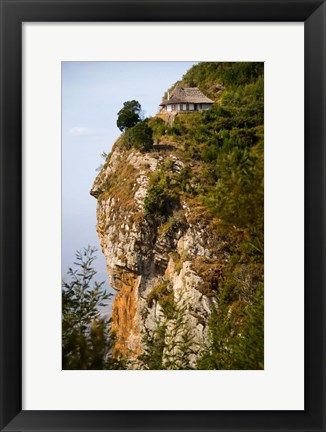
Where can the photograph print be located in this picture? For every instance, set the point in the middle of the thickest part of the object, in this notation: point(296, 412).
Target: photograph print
point(162, 215)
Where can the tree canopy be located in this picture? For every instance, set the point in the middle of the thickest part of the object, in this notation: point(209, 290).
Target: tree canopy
point(129, 115)
point(87, 339)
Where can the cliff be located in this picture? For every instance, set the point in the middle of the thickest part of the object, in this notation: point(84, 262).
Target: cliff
point(181, 226)
point(156, 268)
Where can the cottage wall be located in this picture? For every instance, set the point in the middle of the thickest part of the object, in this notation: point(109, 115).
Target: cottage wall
point(187, 107)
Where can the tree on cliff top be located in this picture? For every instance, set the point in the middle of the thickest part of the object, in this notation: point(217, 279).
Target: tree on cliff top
point(129, 115)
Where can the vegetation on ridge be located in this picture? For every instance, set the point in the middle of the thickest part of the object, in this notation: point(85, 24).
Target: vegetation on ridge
point(219, 175)
point(223, 154)
point(129, 115)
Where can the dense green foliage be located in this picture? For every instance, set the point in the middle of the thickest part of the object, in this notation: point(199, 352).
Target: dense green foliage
point(129, 115)
point(171, 345)
point(154, 345)
point(86, 341)
point(223, 154)
point(207, 76)
point(236, 328)
point(228, 142)
point(139, 136)
point(162, 194)
point(158, 127)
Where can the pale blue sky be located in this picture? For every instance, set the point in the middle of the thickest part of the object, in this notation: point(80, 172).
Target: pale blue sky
point(92, 94)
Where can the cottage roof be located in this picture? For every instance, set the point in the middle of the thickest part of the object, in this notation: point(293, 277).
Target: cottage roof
point(186, 95)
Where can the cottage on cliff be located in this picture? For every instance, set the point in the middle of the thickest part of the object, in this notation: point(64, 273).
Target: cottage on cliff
point(185, 99)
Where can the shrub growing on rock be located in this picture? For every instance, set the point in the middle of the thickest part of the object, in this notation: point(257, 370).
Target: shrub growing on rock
point(140, 137)
point(162, 197)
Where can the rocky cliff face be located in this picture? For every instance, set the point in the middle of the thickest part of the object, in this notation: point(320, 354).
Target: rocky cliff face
point(165, 274)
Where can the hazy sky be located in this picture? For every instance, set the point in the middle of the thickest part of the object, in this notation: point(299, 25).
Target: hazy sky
point(92, 94)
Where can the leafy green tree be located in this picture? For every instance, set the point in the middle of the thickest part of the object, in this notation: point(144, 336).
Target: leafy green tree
point(236, 329)
point(142, 137)
point(217, 354)
point(251, 340)
point(129, 115)
point(179, 339)
point(139, 136)
point(158, 128)
point(172, 343)
point(85, 332)
point(153, 348)
point(238, 195)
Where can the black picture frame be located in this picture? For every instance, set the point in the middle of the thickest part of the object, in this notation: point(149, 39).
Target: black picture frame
point(13, 14)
